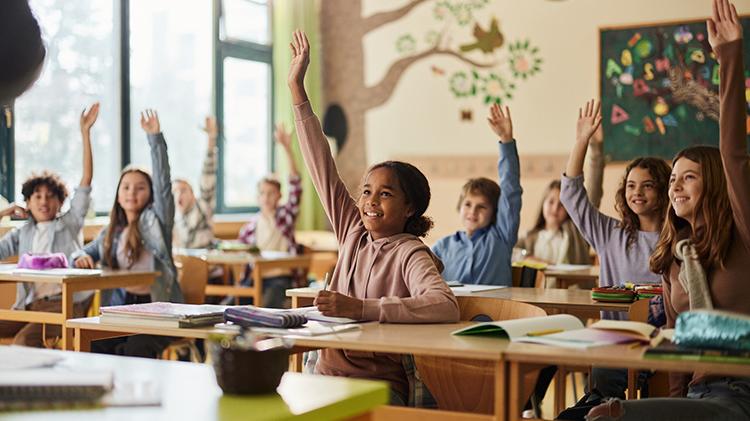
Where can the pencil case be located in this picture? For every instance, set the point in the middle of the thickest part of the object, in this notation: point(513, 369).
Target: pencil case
point(249, 316)
point(713, 329)
point(613, 294)
point(42, 261)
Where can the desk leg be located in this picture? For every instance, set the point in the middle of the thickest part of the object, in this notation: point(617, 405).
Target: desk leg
point(257, 286)
point(295, 362)
point(81, 343)
point(501, 391)
point(67, 313)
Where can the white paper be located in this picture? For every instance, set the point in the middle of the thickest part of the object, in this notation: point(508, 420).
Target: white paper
point(19, 358)
point(58, 272)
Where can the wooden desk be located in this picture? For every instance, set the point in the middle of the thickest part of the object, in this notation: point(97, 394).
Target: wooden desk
point(427, 339)
point(523, 357)
point(584, 279)
point(237, 262)
point(554, 301)
point(70, 285)
point(190, 392)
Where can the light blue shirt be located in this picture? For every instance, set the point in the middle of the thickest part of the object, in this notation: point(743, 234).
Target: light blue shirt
point(485, 257)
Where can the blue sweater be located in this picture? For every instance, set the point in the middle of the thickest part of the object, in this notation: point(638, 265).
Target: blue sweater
point(485, 257)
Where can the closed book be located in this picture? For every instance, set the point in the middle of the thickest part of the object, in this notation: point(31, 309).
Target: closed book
point(161, 314)
point(668, 350)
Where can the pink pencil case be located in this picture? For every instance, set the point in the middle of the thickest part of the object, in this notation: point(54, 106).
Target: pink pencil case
point(43, 261)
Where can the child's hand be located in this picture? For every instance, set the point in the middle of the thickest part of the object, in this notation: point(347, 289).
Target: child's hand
point(88, 118)
point(150, 121)
point(598, 137)
point(723, 26)
point(15, 210)
point(212, 130)
point(85, 262)
point(331, 303)
point(283, 137)
point(589, 120)
point(300, 59)
point(501, 123)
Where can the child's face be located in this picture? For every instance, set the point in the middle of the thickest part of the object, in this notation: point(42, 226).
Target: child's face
point(134, 192)
point(475, 212)
point(686, 188)
point(43, 204)
point(552, 209)
point(640, 192)
point(382, 205)
point(183, 196)
point(268, 197)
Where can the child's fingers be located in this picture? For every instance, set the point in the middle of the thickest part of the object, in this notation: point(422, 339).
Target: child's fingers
point(733, 15)
point(598, 108)
point(507, 112)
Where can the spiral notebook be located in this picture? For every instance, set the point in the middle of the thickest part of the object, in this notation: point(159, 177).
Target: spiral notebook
point(46, 387)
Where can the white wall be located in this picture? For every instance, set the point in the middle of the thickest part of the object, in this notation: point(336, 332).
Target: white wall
point(421, 118)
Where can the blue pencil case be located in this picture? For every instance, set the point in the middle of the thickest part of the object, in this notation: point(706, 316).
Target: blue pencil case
point(713, 329)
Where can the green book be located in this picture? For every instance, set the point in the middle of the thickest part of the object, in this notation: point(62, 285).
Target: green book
point(667, 350)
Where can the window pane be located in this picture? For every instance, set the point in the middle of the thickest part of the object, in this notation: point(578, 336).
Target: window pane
point(170, 70)
point(246, 129)
point(246, 20)
point(79, 70)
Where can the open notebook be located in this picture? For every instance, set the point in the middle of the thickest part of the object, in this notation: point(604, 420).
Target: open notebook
point(562, 330)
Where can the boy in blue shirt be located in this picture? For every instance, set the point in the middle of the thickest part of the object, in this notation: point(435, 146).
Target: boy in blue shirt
point(490, 214)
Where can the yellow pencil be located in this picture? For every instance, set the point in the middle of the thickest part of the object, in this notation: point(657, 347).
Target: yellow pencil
point(544, 332)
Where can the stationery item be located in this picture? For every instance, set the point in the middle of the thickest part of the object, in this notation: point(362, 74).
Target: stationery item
point(312, 313)
point(468, 289)
point(613, 294)
point(311, 328)
point(19, 358)
point(43, 261)
point(603, 332)
point(250, 316)
point(454, 284)
point(58, 272)
point(667, 350)
point(161, 314)
point(514, 329)
point(325, 282)
point(46, 387)
point(714, 329)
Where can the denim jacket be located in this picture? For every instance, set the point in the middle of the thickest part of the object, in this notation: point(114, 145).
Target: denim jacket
point(67, 240)
point(155, 224)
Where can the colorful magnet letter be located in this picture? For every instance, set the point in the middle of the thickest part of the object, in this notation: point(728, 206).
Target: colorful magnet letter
point(648, 71)
point(660, 107)
point(635, 131)
point(662, 64)
point(639, 87)
point(660, 125)
point(619, 115)
point(626, 58)
point(635, 38)
point(669, 120)
point(648, 124)
point(612, 69)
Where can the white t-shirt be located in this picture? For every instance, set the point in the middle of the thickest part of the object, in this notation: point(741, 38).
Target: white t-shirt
point(144, 262)
point(44, 234)
point(552, 246)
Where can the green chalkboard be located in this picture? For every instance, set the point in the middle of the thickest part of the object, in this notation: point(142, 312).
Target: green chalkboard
point(641, 113)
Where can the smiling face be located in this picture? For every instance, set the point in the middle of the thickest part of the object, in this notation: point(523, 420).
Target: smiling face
point(640, 192)
point(44, 204)
point(686, 189)
point(269, 196)
point(382, 205)
point(475, 212)
point(134, 192)
point(553, 211)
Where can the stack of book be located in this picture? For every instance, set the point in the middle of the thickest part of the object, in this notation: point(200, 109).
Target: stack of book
point(160, 314)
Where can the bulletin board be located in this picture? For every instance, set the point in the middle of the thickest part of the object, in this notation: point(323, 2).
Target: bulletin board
point(659, 88)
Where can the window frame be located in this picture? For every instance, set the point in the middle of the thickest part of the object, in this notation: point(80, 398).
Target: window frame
point(242, 50)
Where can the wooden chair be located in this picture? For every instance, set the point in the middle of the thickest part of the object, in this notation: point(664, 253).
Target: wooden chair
point(192, 274)
point(527, 277)
point(467, 385)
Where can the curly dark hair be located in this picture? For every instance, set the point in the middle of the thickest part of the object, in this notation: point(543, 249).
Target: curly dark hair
point(416, 188)
point(660, 172)
point(49, 179)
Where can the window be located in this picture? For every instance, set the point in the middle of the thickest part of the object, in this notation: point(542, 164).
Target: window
point(185, 58)
point(170, 71)
point(79, 70)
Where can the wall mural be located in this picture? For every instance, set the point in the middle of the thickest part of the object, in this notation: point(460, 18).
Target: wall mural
point(492, 65)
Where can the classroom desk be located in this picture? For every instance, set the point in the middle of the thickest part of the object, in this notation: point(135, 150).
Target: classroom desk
point(584, 279)
point(554, 301)
point(70, 285)
point(237, 261)
point(521, 357)
point(426, 339)
point(190, 392)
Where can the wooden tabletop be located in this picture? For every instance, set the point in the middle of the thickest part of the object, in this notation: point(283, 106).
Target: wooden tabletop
point(7, 276)
point(190, 392)
point(93, 323)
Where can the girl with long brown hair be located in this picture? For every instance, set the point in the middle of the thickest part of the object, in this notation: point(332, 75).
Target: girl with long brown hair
point(703, 253)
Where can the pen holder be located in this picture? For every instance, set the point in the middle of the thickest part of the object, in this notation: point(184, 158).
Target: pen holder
point(247, 371)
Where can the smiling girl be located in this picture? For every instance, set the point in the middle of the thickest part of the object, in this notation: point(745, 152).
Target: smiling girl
point(384, 271)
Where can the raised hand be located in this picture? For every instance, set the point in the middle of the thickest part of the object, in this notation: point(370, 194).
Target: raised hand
point(84, 262)
point(300, 58)
point(150, 121)
point(501, 123)
point(589, 120)
point(88, 118)
point(283, 137)
point(598, 137)
point(212, 130)
point(723, 25)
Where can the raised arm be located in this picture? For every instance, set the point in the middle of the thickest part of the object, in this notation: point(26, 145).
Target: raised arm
point(589, 120)
point(160, 173)
point(208, 172)
point(508, 214)
point(88, 118)
point(595, 178)
point(284, 139)
point(725, 36)
point(339, 206)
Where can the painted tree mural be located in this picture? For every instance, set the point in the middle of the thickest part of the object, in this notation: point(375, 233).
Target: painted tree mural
point(492, 70)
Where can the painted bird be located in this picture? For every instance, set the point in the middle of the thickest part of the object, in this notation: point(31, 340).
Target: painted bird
point(486, 41)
